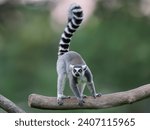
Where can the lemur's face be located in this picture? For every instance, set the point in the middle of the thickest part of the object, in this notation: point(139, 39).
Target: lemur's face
point(78, 70)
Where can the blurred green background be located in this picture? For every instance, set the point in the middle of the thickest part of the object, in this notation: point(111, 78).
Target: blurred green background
point(114, 42)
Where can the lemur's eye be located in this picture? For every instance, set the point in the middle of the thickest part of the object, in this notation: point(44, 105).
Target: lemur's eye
point(80, 70)
point(74, 70)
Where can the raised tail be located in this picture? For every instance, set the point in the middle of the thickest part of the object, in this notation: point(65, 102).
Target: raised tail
point(75, 17)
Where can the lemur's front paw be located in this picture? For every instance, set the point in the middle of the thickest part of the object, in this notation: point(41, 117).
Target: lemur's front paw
point(84, 96)
point(97, 95)
point(81, 102)
point(60, 101)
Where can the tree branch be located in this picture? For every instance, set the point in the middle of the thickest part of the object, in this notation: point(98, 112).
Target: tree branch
point(9, 106)
point(105, 101)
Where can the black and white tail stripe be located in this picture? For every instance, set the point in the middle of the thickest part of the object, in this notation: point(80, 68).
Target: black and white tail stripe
point(75, 18)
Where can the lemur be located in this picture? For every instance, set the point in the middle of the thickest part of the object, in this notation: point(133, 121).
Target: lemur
point(70, 64)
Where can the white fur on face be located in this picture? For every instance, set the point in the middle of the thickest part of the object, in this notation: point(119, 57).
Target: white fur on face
point(78, 71)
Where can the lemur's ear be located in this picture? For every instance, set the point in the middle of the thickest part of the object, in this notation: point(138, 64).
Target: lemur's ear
point(71, 66)
point(84, 67)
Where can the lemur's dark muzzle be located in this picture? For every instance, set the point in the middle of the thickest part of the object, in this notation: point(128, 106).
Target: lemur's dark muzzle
point(77, 75)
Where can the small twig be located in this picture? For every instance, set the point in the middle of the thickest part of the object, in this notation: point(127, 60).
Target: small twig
point(9, 106)
point(105, 101)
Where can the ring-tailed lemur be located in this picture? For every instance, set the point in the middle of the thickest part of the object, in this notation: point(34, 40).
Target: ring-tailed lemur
point(70, 64)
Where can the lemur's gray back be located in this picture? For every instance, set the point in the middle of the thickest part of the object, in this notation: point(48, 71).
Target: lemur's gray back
point(75, 18)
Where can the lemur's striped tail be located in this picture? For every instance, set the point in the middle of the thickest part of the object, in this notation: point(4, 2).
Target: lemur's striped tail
point(75, 18)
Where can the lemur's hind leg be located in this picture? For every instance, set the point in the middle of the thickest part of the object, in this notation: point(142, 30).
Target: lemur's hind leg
point(61, 79)
point(60, 88)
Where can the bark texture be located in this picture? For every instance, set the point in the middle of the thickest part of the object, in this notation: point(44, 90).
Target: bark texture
point(9, 106)
point(105, 101)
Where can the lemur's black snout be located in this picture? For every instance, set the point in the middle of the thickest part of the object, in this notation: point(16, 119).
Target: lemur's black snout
point(77, 74)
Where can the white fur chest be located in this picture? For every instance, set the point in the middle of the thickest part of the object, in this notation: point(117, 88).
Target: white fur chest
point(81, 80)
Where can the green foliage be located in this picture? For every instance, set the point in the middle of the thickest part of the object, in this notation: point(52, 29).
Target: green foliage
point(114, 44)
